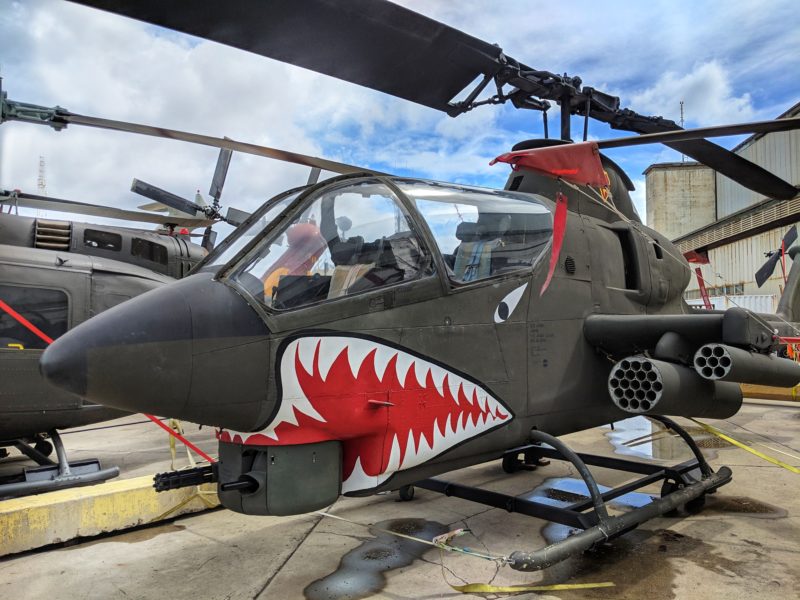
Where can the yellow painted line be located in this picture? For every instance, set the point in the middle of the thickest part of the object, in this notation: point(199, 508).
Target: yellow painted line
point(36, 521)
point(727, 438)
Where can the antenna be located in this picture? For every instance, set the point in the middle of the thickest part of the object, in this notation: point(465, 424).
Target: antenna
point(41, 181)
point(41, 184)
point(683, 156)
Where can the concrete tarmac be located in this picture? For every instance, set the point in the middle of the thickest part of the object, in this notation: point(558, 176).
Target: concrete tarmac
point(745, 544)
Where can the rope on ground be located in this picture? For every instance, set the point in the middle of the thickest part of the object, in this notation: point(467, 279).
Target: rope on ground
point(442, 542)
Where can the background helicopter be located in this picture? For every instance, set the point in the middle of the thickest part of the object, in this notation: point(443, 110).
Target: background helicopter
point(55, 275)
point(425, 301)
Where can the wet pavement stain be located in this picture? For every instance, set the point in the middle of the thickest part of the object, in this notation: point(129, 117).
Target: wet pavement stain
point(639, 562)
point(642, 565)
point(718, 503)
point(141, 533)
point(361, 571)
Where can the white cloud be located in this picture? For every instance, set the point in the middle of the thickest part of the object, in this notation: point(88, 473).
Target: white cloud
point(706, 92)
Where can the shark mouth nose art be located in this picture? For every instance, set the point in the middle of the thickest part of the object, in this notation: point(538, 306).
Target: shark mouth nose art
point(392, 409)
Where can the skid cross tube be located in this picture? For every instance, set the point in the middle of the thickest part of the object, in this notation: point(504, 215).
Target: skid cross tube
point(591, 514)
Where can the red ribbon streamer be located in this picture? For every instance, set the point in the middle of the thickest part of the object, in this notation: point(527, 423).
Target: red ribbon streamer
point(559, 227)
point(701, 283)
point(179, 437)
point(25, 323)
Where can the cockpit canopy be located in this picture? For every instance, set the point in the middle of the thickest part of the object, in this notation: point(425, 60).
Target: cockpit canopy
point(356, 235)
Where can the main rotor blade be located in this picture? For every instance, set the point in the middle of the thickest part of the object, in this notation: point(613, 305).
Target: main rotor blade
point(372, 43)
point(702, 133)
point(207, 140)
point(737, 168)
point(82, 208)
point(164, 197)
point(730, 164)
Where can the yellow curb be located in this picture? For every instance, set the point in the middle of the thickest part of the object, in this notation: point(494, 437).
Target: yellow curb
point(36, 521)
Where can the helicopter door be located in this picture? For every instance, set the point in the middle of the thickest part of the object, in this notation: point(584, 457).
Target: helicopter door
point(40, 304)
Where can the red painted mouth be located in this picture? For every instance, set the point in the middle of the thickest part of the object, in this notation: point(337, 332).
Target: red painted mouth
point(392, 410)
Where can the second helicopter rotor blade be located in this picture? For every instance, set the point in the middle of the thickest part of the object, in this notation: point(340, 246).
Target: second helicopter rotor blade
point(71, 206)
point(220, 172)
point(166, 198)
point(216, 142)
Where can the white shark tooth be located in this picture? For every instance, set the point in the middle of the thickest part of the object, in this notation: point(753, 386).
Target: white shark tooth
point(453, 383)
point(411, 452)
point(359, 480)
point(472, 423)
point(421, 368)
point(449, 432)
point(383, 354)
point(440, 440)
point(304, 349)
point(481, 399)
point(394, 457)
point(357, 350)
point(438, 374)
point(424, 449)
point(329, 350)
point(467, 389)
point(404, 362)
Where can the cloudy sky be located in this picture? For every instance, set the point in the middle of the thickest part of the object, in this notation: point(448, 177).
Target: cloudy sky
point(729, 61)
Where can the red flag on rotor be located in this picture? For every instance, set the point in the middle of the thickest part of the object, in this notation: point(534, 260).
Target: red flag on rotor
point(577, 163)
point(698, 257)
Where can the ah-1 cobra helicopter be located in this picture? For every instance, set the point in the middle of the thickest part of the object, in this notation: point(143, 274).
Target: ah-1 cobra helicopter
point(55, 274)
point(369, 332)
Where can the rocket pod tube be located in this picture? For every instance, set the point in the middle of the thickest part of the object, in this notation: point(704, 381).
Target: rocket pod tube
point(718, 362)
point(642, 385)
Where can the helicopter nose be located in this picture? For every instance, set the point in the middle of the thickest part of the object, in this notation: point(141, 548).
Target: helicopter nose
point(193, 350)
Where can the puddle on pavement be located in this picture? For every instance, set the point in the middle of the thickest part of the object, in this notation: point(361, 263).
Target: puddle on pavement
point(564, 491)
point(361, 571)
point(643, 438)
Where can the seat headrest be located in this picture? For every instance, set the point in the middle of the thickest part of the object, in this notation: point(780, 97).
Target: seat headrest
point(467, 232)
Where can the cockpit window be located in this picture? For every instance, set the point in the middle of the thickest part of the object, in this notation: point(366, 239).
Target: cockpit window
point(245, 234)
point(349, 239)
point(482, 233)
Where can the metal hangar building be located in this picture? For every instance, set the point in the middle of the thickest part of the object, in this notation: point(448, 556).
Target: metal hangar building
point(707, 214)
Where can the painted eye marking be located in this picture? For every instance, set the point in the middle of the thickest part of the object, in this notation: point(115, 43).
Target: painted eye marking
point(508, 304)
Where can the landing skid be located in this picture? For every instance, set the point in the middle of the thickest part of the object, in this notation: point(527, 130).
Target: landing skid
point(51, 475)
point(684, 484)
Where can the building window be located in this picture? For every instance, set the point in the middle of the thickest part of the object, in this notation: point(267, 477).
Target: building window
point(46, 309)
point(149, 251)
point(102, 240)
